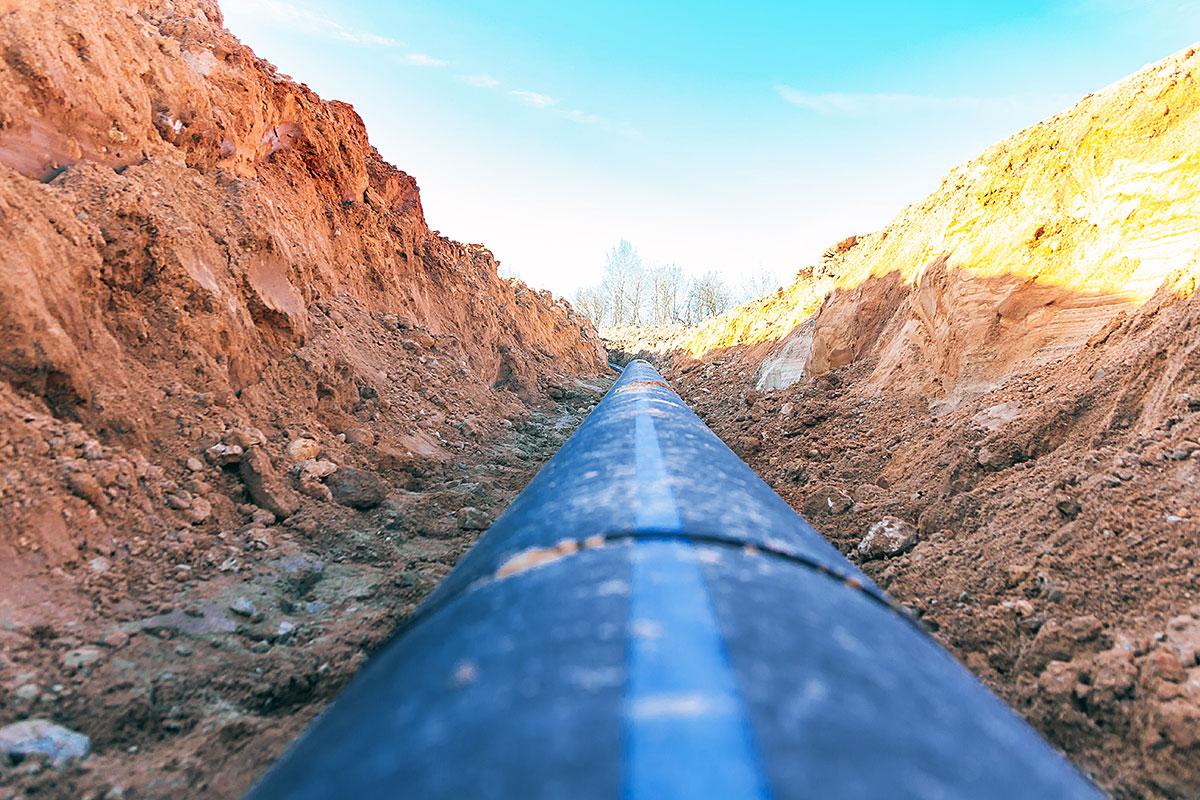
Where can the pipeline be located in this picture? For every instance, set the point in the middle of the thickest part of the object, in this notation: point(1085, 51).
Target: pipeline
point(649, 620)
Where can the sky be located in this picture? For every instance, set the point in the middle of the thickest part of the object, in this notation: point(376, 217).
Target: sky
point(743, 137)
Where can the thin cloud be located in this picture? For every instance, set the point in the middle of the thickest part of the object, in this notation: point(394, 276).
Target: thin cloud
point(423, 60)
point(535, 99)
point(582, 117)
point(861, 104)
point(314, 23)
point(483, 81)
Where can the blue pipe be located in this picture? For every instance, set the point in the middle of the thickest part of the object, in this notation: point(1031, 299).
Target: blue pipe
point(648, 620)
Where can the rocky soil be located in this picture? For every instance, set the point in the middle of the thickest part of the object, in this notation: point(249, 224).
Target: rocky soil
point(1047, 532)
point(192, 654)
point(251, 407)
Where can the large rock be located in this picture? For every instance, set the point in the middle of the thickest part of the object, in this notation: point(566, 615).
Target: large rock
point(39, 736)
point(266, 487)
point(888, 537)
point(356, 488)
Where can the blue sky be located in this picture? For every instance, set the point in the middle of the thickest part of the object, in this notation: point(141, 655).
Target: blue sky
point(739, 137)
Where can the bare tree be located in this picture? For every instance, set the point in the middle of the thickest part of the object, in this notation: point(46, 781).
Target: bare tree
point(629, 293)
point(708, 297)
point(667, 286)
point(593, 304)
point(621, 283)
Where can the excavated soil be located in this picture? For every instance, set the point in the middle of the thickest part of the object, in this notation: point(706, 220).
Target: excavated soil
point(194, 655)
point(1051, 526)
point(251, 407)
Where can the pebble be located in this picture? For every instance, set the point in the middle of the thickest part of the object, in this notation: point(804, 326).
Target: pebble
point(243, 607)
point(28, 692)
point(890, 536)
point(303, 450)
point(224, 454)
point(194, 464)
point(473, 519)
point(81, 657)
point(200, 510)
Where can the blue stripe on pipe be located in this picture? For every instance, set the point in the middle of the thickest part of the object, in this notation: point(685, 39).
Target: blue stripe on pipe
point(654, 506)
point(687, 732)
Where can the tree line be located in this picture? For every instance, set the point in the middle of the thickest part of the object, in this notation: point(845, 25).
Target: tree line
point(634, 293)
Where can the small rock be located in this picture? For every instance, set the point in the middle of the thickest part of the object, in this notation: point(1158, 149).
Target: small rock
point(28, 692)
point(828, 500)
point(356, 488)
point(303, 450)
point(224, 454)
point(194, 464)
point(99, 564)
point(311, 473)
point(243, 607)
point(81, 657)
point(262, 517)
point(285, 631)
point(85, 485)
point(183, 650)
point(265, 486)
point(300, 572)
point(260, 647)
point(178, 502)
point(360, 436)
point(1067, 506)
point(1179, 721)
point(199, 511)
point(33, 736)
point(473, 519)
point(987, 457)
point(888, 537)
point(246, 438)
point(748, 445)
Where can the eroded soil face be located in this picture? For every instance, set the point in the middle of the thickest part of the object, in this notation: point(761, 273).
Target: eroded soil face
point(251, 406)
point(1045, 531)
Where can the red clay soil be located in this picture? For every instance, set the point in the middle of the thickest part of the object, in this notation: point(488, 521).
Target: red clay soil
point(251, 407)
point(1047, 531)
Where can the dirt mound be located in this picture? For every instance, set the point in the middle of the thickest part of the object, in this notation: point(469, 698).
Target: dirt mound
point(1010, 374)
point(1017, 259)
point(231, 350)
